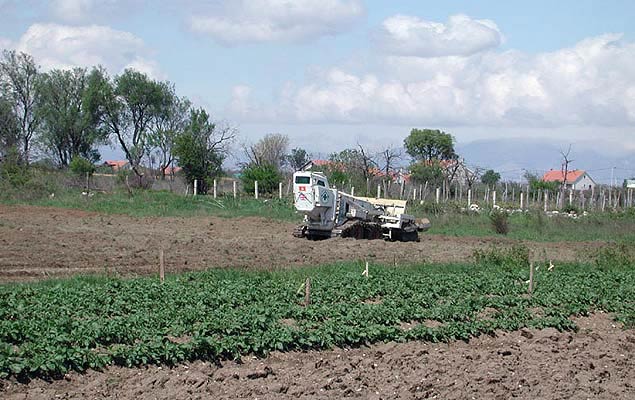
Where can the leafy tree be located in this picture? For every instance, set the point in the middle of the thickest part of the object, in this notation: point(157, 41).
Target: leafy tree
point(490, 177)
point(430, 144)
point(81, 166)
point(128, 106)
point(430, 172)
point(9, 129)
point(536, 184)
point(169, 122)
point(267, 175)
point(297, 159)
point(18, 76)
point(201, 149)
point(270, 150)
point(69, 124)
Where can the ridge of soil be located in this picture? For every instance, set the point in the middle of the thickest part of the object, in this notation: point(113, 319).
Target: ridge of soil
point(594, 363)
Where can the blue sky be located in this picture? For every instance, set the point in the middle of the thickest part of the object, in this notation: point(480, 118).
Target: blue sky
point(331, 73)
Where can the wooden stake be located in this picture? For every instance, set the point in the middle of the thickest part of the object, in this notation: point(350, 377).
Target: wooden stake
point(531, 278)
point(161, 266)
point(307, 292)
point(214, 188)
point(235, 191)
point(256, 189)
point(280, 190)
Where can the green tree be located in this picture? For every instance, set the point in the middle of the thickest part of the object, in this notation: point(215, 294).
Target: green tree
point(170, 121)
point(201, 149)
point(297, 158)
point(9, 130)
point(430, 172)
point(69, 124)
point(81, 166)
point(490, 177)
point(268, 177)
point(127, 106)
point(430, 144)
point(18, 76)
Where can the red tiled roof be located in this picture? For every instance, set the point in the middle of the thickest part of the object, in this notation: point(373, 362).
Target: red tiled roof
point(558, 176)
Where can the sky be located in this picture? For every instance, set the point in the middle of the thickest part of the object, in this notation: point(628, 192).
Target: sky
point(334, 73)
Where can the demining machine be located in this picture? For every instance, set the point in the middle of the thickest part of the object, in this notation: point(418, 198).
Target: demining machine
point(329, 212)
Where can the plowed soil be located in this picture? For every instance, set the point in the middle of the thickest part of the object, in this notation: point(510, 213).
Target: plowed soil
point(40, 242)
point(594, 363)
point(37, 243)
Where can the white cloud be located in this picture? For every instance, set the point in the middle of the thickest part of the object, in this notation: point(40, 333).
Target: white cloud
point(461, 35)
point(245, 21)
point(589, 84)
point(5, 43)
point(60, 46)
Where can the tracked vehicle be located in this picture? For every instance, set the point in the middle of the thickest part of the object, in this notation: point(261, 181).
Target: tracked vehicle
point(329, 212)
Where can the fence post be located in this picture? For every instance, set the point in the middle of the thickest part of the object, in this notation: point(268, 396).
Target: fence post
point(494, 198)
point(195, 187)
point(438, 195)
point(414, 194)
point(280, 190)
point(234, 188)
point(546, 195)
point(469, 198)
point(214, 188)
point(570, 196)
point(352, 190)
point(256, 189)
point(521, 201)
point(378, 191)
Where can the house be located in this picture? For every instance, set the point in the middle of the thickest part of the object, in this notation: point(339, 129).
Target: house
point(117, 165)
point(577, 179)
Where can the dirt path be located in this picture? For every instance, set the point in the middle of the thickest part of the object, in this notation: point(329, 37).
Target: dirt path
point(594, 363)
point(40, 242)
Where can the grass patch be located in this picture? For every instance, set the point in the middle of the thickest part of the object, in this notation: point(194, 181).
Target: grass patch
point(536, 226)
point(148, 203)
point(51, 327)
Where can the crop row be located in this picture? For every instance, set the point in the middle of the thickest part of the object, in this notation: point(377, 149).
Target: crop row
point(49, 328)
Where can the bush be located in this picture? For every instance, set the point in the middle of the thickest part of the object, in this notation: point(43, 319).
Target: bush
point(617, 255)
point(267, 176)
point(80, 166)
point(500, 222)
point(569, 208)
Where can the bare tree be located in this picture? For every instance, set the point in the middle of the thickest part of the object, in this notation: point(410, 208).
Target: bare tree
point(367, 162)
point(270, 150)
point(389, 158)
point(565, 170)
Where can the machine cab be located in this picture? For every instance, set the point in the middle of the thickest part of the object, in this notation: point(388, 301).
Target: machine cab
point(310, 190)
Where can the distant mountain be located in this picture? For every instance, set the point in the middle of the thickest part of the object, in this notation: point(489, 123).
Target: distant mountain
point(511, 157)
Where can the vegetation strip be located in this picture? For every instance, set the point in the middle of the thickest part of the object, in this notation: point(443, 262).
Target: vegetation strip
point(49, 328)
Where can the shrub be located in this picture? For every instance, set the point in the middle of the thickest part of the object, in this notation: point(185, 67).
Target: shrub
point(266, 175)
point(617, 255)
point(500, 222)
point(80, 166)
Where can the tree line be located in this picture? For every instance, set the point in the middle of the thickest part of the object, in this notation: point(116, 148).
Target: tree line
point(67, 114)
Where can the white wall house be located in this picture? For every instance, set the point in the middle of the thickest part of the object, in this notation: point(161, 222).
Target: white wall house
point(577, 179)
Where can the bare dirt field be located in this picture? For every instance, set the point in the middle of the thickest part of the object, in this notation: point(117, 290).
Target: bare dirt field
point(41, 242)
point(594, 363)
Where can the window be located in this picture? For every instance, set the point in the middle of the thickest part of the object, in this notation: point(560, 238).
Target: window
point(321, 183)
point(303, 180)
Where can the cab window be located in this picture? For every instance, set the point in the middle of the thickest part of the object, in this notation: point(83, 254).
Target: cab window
point(321, 183)
point(302, 180)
